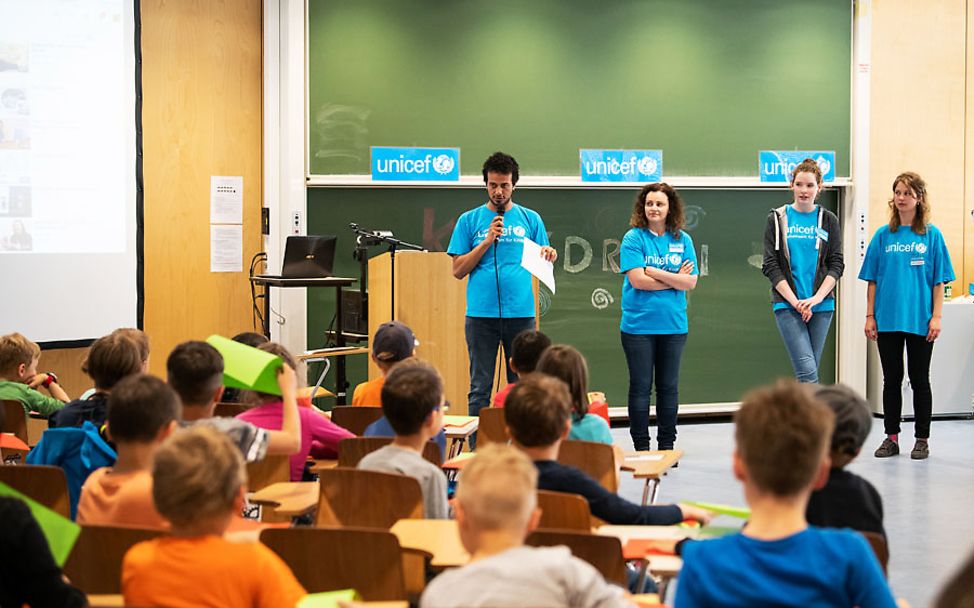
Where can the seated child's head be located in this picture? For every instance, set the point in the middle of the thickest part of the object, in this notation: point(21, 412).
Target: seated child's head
point(290, 360)
point(250, 338)
point(142, 409)
point(412, 399)
point(498, 492)
point(18, 358)
point(198, 480)
point(852, 422)
point(195, 371)
point(141, 339)
point(526, 349)
point(393, 342)
point(538, 411)
point(111, 358)
point(568, 365)
point(782, 433)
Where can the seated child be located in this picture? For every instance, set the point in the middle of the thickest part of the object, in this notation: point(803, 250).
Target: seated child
point(847, 500)
point(28, 572)
point(393, 342)
point(496, 510)
point(250, 338)
point(538, 415)
point(109, 359)
point(568, 365)
point(141, 339)
point(526, 349)
point(195, 372)
point(412, 401)
point(19, 379)
point(142, 413)
point(198, 484)
point(958, 592)
point(319, 435)
point(782, 436)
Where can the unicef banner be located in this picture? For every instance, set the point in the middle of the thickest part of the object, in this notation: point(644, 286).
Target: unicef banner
point(775, 166)
point(415, 164)
point(621, 165)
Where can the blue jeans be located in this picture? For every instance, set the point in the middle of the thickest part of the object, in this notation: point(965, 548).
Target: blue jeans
point(804, 341)
point(649, 355)
point(483, 336)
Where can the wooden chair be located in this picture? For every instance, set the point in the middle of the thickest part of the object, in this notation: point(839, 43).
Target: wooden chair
point(46, 484)
point(355, 417)
point(95, 563)
point(595, 459)
point(492, 428)
point(229, 410)
point(564, 511)
point(878, 542)
point(272, 469)
point(353, 497)
point(328, 559)
point(14, 419)
point(353, 449)
point(603, 552)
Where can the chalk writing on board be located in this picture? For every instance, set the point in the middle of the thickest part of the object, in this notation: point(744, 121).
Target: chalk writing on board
point(610, 255)
point(693, 214)
point(580, 264)
point(340, 133)
point(756, 258)
point(703, 266)
point(544, 299)
point(601, 298)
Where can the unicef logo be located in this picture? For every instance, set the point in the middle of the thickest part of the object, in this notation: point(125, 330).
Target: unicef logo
point(648, 165)
point(921, 248)
point(443, 164)
point(823, 164)
point(674, 259)
point(519, 231)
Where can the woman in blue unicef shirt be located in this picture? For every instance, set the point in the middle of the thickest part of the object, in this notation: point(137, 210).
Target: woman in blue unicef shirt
point(906, 265)
point(803, 261)
point(660, 266)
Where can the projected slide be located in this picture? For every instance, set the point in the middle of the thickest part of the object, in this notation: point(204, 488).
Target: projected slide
point(67, 165)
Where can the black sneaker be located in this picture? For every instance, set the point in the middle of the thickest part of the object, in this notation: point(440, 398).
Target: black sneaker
point(887, 448)
point(920, 450)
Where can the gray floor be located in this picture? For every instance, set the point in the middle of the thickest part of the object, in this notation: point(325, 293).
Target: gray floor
point(927, 503)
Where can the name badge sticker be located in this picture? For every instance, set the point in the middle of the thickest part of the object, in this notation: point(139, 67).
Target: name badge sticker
point(822, 234)
point(917, 262)
point(676, 247)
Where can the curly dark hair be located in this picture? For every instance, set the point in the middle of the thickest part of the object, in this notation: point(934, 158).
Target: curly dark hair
point(674, 216)
point(498, 162)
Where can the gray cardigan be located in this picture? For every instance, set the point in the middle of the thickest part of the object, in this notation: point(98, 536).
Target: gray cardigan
point(777, 258)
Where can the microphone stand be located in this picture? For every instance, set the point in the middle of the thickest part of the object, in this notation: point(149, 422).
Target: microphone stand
point(374, 237)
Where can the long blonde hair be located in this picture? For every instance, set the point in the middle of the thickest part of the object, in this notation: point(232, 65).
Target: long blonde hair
point(919, 187)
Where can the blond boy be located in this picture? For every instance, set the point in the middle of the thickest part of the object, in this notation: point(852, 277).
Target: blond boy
point(19, 379)
point(782, 436)
point(496, 510)
point(198, 485)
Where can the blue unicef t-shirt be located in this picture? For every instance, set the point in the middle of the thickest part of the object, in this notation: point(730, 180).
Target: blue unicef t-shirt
point(803, 234)
point(905, 266)
point(815, 567)
point(654, 312)
point(517, 299)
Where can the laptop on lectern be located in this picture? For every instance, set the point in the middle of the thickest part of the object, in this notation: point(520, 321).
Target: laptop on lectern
point(308, 257)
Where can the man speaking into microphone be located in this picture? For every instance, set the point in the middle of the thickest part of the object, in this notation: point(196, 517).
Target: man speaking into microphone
point(487, 244)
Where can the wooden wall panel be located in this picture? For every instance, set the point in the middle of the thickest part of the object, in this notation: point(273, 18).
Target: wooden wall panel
point(201, 117)
point(968, 219)
point(66, 363)
point(918, 106)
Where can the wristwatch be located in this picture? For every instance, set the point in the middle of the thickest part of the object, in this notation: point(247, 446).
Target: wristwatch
point(51, 379)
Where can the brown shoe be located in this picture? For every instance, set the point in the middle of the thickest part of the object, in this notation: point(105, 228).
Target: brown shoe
point(920, 450)
point(887, 448)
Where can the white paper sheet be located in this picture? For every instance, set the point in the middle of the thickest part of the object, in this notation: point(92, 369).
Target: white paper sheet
point(226, 248)
point(532, 261)
point(226, 199)
point(645, 458)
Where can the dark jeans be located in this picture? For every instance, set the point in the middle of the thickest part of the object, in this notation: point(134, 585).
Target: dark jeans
point(918, 353)
point(648, 355)
point(483, 336)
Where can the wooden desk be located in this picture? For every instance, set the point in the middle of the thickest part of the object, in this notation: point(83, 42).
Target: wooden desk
point(323, 464)
point(457, 429)
point(105, 600)
point(650, 465)
point(438, 537)
point(288, 498)
point(663, 567)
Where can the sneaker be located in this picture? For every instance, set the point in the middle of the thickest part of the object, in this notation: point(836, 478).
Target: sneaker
point(887, 448)
point(920, 450)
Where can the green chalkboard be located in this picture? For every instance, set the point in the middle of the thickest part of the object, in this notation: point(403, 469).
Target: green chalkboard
point(733, 343)
point(710, 82)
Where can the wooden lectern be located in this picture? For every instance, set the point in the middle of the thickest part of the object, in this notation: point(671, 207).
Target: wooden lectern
point(432, 303)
